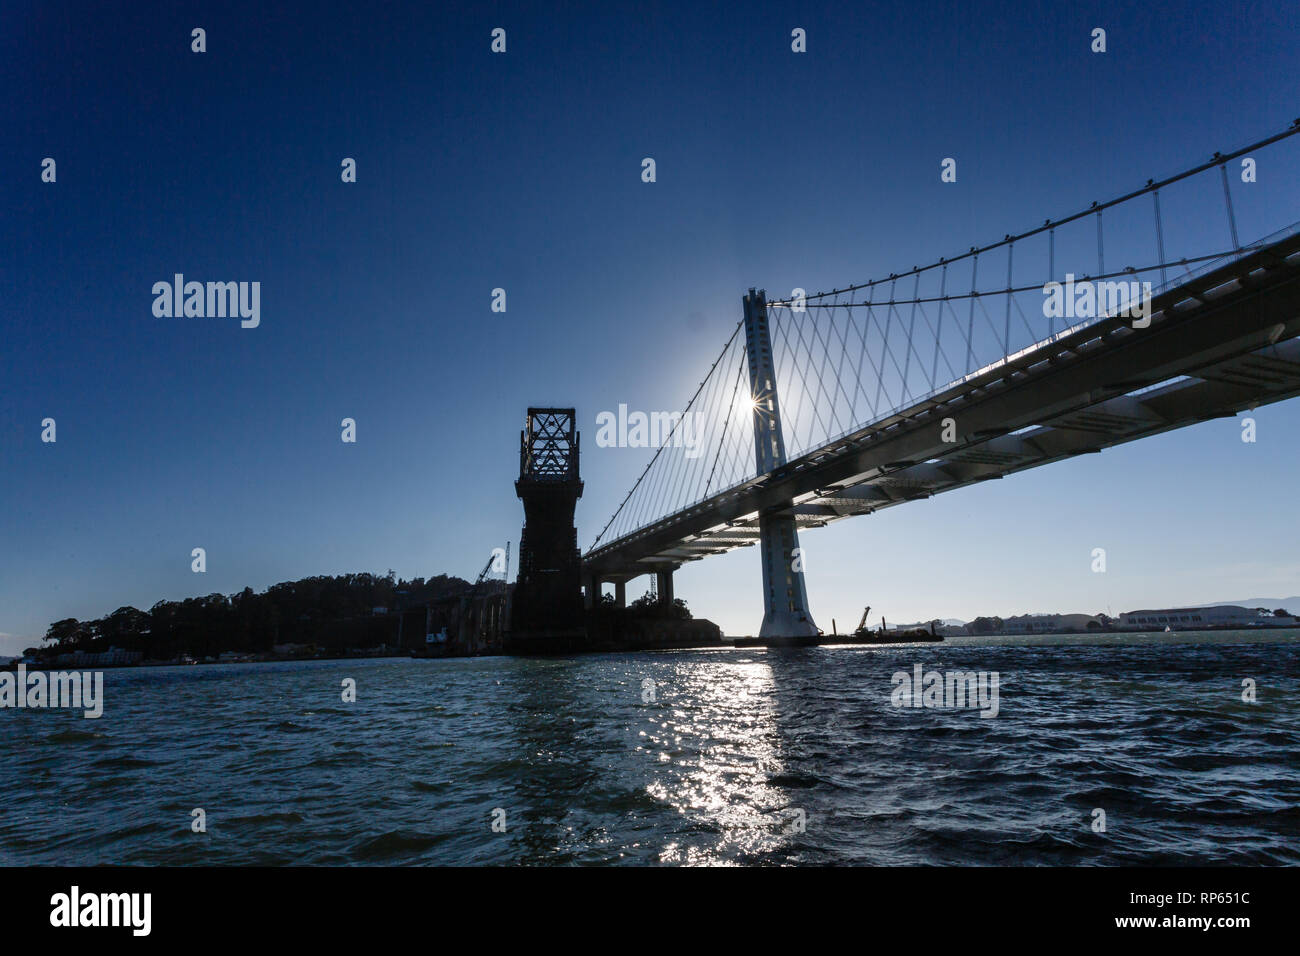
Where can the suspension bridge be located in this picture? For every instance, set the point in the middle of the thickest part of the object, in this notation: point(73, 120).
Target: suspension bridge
point(1126, 319)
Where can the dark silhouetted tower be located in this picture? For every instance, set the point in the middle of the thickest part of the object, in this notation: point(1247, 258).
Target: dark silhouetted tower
point(547, 612)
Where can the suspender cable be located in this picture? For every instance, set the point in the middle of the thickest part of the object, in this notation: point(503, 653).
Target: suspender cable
point(661, 447)
point(1051, 272)
point(938, 334)
point(970, 321)
point(889, 323)
point(1006, 325)
point(1101, 249)
point(1232, 217)
point(911, 328)
point(1292, 130)
point(1160, 235)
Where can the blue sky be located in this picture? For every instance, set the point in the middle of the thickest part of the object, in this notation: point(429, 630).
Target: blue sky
point(522, 171)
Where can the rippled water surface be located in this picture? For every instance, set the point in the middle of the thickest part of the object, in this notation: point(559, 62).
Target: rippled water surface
point(741, 757)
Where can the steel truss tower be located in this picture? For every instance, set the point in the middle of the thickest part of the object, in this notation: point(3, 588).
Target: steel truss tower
point(547, 611)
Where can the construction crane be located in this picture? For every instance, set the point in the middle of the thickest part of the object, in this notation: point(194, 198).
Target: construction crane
point(482, 575)
point(862, 624)
point(469, 617)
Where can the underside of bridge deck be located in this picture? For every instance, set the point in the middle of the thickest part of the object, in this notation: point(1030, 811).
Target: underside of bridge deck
point(1216, 345)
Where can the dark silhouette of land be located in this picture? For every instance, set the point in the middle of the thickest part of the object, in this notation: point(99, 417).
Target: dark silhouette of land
point(325, 615)
point(345, 615)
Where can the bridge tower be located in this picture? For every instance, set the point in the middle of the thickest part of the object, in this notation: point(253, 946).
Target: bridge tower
point(546, 612)
point(785, 601)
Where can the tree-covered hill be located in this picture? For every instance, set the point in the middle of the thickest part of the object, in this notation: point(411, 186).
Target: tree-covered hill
point(331, 612)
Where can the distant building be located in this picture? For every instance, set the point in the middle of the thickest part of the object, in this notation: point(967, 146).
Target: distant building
point(291, 650)
point(1050, 623)
point(233, 657)
point(113, 657)
point(1190, 618)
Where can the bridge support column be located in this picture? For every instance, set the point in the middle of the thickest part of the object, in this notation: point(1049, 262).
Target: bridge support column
point(785, 600)
point(620, 593)
point(664, 583)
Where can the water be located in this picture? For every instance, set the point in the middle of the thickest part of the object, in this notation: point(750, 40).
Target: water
point(717, 769)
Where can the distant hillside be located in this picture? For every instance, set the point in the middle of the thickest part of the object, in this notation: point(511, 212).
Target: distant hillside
point(332, 612)
point(1291, 603)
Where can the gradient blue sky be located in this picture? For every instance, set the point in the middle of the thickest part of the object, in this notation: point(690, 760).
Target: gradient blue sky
point(523, 171)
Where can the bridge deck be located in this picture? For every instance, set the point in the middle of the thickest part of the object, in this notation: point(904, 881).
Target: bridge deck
point(1217, 344)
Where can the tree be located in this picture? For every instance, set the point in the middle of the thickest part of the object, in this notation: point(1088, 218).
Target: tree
point(649, 606)
point(124, 623)
point(68, 634)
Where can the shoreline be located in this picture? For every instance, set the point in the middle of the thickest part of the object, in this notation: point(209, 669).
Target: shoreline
point(738, 643)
